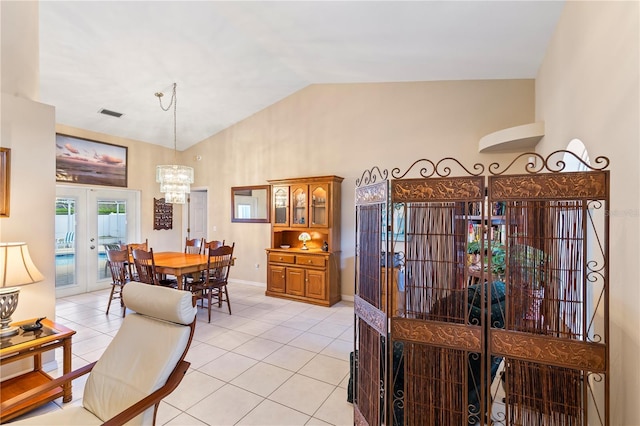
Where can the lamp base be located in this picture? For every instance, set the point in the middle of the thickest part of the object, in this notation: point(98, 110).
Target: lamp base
point(5, 332)
point(304, 246)
point(8, 305)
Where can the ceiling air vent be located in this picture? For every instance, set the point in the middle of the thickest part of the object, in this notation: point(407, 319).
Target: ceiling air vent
point(111, 113)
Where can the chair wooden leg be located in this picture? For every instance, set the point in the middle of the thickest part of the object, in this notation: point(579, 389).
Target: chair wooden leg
point(113, 287)
point(209, 304)
point(226, 295)
point(124, 308)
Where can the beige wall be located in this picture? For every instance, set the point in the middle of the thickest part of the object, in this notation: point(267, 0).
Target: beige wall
point(343, 129)
point(588, 88)
point(20, 53)
point(28, 129)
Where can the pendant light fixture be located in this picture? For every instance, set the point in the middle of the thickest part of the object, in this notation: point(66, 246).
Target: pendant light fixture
point(175, 180)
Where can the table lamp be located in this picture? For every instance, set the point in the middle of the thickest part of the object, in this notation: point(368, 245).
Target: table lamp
point(304, 237)
point(16, 269)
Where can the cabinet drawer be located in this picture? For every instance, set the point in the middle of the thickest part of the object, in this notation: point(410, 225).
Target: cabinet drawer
point(282, 258)
point(310, 260)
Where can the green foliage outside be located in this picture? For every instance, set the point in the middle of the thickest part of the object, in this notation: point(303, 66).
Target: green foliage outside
point(103, 208)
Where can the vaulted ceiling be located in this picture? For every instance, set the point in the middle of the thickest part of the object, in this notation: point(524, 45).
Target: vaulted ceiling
point(232, 59)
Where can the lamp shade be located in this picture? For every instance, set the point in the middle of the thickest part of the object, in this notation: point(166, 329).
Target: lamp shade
point(16, 266)
point(304, 236)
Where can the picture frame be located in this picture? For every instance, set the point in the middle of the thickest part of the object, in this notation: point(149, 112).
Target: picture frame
point(5, 181)
point(251, 204)
point(90, 162)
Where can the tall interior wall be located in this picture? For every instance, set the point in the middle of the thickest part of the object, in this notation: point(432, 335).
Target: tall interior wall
point(588, 88)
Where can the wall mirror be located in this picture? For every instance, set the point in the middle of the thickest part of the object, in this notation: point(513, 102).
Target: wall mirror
point(250, 204)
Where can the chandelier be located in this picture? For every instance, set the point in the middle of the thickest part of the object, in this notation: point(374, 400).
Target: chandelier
point(175, 180)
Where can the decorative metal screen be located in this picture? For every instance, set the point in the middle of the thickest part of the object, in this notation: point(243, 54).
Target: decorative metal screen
point(499, 312)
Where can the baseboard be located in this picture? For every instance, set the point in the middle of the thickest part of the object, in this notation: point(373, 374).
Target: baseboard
point(253, 283)
point(347, 298)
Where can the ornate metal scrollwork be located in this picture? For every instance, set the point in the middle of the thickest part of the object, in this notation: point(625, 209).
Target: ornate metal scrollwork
point(548, 163)
point(440, 168)
point(369, 176)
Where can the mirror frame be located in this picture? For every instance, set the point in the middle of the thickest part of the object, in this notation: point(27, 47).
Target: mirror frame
point(5, 180)
point(266, 218)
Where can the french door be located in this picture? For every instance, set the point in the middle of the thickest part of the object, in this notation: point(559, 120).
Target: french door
point(86, 219)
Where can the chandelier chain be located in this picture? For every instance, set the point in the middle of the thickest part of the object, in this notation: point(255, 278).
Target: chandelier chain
point(173, 102)
point(175, 180)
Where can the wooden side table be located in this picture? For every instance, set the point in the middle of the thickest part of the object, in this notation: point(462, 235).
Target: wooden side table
point(27, 344)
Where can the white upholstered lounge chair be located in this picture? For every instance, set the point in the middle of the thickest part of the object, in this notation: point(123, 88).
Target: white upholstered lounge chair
point(143, 363)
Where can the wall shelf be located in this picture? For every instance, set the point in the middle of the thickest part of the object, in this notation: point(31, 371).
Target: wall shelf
point(514, 139)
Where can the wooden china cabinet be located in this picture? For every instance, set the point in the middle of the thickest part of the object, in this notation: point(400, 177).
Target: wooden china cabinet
point(305, 205)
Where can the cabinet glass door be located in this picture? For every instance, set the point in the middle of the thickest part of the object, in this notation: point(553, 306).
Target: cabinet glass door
point(319, 205)
point(299, 206)
point(281, 205)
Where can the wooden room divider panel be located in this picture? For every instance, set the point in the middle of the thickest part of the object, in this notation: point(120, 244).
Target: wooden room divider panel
point(369, 363)
point(499, 312)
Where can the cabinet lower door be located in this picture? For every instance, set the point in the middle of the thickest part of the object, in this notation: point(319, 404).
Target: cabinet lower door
point(295, 281)
point(276, 281)
point(315, 285)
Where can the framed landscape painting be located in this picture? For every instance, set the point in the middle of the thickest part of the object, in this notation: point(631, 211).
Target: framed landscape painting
point(90, 162)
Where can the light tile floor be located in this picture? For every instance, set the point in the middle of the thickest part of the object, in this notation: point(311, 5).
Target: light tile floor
point(273, 362)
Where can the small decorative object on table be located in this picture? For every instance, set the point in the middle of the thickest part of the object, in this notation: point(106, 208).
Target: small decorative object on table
point(325, 246)
point(304, 237)
point(33, 326)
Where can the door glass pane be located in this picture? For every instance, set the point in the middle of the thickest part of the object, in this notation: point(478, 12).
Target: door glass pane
point(299, 200)
point(319, 206)
point(112, 229)
point(65, 244)
point(280, 205)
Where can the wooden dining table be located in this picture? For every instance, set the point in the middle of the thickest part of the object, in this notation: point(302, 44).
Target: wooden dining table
point(179, 264)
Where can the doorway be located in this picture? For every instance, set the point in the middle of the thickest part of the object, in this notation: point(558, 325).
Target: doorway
point(85, 220)
point(197, 222)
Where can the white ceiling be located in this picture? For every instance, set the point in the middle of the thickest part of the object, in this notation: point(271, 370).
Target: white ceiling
point(232, 59)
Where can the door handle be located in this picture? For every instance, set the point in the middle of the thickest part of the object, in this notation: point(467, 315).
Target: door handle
point(92, 240)
point(92, 247)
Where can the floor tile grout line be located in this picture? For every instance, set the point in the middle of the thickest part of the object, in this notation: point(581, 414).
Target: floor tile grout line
point(338, 319)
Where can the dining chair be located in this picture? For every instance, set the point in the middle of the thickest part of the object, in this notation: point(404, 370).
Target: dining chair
point(214, 283)
point(142, 365)
point(146, 269)
point(194, 246)
point(118, 261)
point(108, 247)
point(130, 247)
point(214, 244)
